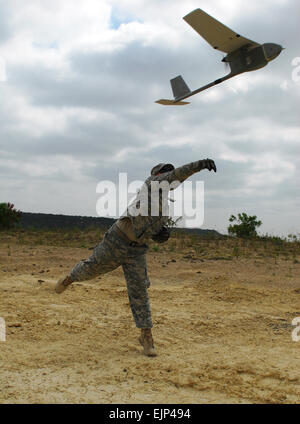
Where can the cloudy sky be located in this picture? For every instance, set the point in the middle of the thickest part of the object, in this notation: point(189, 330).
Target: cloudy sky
point(78, 85)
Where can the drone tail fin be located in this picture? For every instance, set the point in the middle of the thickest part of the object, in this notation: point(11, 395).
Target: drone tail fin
point(179, 87)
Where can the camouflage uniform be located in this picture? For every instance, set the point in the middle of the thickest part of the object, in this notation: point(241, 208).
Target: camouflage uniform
point(147, 226)
point(114, 251)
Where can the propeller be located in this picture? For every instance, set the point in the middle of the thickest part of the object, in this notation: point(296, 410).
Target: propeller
point(226, 64)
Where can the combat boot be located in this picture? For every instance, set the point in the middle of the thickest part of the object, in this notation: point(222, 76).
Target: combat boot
point(62, 284)
point(146, 340)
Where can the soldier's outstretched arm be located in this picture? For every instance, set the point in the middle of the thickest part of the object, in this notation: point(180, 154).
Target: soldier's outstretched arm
point(183, 172)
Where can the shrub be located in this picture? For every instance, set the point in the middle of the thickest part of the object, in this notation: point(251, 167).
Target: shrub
point(245, 226)
point(9, 216)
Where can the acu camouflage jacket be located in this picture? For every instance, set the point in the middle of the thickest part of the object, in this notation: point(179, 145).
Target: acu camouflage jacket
point(149, 210)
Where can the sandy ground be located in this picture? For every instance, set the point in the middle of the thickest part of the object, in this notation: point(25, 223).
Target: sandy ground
point(222, 329)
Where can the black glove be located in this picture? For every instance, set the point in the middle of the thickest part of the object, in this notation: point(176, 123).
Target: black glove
point(162, 236)
point(209, 164)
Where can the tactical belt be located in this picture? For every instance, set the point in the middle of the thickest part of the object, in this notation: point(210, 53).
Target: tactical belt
point(124, 237)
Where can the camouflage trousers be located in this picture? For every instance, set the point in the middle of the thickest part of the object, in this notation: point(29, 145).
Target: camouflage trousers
point(109, 255)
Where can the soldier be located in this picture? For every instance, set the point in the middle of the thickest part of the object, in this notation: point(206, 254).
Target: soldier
point(125, 244)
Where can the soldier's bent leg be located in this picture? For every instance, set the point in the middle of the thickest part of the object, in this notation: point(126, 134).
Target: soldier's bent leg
point(135, 271)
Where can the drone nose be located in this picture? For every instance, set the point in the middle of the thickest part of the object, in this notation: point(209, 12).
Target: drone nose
point(272, 50)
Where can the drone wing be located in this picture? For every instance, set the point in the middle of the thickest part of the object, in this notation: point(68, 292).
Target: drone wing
point(219, 36)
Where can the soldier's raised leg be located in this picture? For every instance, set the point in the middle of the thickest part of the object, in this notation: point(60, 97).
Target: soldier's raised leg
point(107, 256)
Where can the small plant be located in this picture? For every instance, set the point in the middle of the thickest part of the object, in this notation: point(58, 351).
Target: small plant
point(155, 248)
point(245, 226)
point(292, 238)
point(182, 243)
point(236, 251)
point(9, 216)
point(199, 250)
point(172, 223)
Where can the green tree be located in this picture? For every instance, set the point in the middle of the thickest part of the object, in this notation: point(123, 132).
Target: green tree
point(245, 226)
point(9, 216)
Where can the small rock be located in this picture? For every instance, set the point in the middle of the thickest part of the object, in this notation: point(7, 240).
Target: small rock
point(16, 324)
point(172, 260)
point(188, 257)
point(41, 281)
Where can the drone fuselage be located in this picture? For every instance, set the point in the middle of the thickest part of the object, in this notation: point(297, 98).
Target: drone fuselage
point(248, 59)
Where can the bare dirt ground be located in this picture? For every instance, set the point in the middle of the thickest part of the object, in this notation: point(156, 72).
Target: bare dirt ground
point(222, 317)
